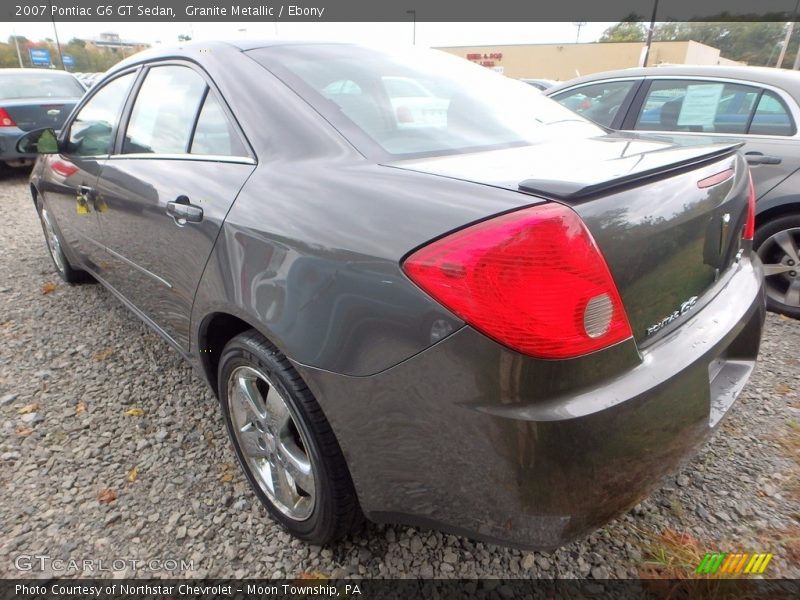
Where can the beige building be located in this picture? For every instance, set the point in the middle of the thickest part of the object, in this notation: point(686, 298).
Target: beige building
point(565, 61)
point(111, 42)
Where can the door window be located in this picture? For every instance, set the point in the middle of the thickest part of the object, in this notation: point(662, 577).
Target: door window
point(599, 102)
point(771, 117)
point(702, 106)
point(91, 130)
point(164, 111)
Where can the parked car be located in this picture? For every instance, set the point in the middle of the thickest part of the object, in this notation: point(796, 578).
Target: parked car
point(539, 84)
point(32, 99)
point(757, 106)
point(483, 327)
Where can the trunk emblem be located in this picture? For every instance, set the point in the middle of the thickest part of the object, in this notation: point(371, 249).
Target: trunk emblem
point(684, 308)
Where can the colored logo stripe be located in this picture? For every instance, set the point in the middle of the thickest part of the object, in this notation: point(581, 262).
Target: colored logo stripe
point(720, 562)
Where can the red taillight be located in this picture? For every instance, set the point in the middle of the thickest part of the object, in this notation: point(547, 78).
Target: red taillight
point(750, 224)
point(5, 119)
point(534, 280)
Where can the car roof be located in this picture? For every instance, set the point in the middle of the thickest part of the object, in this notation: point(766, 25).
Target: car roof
point(783, 78)
point(26, 71)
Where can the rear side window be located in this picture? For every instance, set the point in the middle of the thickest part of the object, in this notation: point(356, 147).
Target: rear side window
point(164, 111)
point(599, 102)
point(771, 117)
point(701, 106)
point(214, 133)
point(90, 131)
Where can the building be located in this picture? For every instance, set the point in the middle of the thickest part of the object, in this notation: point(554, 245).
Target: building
point(565, 61)
point(111, 42)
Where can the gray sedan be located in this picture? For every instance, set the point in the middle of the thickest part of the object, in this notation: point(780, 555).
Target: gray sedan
point(757, 106)
point(467, 313)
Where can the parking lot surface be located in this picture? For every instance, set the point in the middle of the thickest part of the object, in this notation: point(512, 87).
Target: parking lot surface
point(112, 448)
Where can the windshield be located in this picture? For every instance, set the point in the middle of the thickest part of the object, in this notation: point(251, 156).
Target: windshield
point(421, 102)
point(38, 85)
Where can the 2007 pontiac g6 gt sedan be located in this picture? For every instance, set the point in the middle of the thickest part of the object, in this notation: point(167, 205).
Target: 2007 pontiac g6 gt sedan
point(422, 292)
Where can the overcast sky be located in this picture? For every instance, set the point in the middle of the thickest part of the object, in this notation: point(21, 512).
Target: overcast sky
point(428, 34)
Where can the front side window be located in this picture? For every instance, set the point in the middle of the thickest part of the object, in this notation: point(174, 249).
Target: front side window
point(164, 111)
point(91, 130)
point(599, 102)
point(701, 106)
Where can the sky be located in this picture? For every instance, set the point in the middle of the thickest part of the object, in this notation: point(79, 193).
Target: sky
point(427, 34)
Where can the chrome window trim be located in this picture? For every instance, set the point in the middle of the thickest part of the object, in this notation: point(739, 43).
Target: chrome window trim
point(242, 160)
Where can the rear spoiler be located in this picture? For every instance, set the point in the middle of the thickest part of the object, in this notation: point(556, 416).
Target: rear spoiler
point(581, 190)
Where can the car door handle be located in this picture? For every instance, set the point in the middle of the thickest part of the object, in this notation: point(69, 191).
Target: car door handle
point(184, 211)
point(759, 158)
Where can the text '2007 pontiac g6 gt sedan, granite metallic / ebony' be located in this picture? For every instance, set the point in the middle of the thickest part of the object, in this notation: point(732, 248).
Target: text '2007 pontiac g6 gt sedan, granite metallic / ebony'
point(423, 293)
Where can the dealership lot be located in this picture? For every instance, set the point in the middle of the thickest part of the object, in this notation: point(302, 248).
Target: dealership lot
point(112, 448)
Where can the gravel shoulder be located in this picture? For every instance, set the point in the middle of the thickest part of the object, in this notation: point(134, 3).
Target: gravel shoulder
point(111, 448)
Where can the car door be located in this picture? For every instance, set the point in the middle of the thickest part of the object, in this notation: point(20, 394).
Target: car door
point(167, 189)
point(70, 184)
point(710, 109)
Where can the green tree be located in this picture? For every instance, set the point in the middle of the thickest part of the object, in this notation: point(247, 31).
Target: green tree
point(626, 31)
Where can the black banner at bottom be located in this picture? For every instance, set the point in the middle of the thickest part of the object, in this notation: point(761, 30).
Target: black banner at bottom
point(400, 589)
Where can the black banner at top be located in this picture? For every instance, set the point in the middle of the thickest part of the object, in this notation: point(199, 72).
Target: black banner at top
point(396, 10)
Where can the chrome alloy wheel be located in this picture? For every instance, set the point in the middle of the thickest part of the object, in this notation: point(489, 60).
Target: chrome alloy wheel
point(53, 244)
point(780, 254)
point(273, 446)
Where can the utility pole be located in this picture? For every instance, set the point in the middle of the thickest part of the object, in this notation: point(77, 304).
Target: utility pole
point(413, 14)
point(16, 43)
point(789, 31)
point(55, 30)
point(578, 24)
point(650, 33)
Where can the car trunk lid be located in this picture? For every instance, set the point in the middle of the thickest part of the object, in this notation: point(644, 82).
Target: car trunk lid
point(667, 231)
point(36, 113)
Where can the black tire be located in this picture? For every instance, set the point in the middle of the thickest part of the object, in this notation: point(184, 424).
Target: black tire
point(336, 511)
point(60, 260)
point(772, 254)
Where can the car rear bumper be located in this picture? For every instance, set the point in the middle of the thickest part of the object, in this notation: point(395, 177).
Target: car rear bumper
point(8, 145)
point(475, 439)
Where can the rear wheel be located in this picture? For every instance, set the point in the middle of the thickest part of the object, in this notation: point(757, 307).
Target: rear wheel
point(54, 245)
point(777, 243)
point(284, 443)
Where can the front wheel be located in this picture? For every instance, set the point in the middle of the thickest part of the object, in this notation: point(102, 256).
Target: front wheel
point(54, 245)
point(284, 443)
point(777, 244)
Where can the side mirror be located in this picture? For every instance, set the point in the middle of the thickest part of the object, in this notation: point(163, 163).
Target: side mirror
point(39, 141)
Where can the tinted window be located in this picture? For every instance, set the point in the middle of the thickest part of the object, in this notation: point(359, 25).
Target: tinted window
point(164, 111)
point(39, 85)
point(598, 101)
point(214, 134)
point(90, 132)
point(419, 101)
point(772, 117)
point(705, 106)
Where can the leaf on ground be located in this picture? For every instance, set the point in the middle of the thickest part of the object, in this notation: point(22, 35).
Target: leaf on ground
point(209, 438)
point(103, 354)
point(783, 389)
point(106, 496)
point(133, 474)
point(48, 288)
point(80, 408)
point(227, 472)
point(28, 408)
point(23, 431)
point(134, 412)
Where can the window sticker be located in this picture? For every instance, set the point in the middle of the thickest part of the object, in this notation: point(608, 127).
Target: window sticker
point(699, 108)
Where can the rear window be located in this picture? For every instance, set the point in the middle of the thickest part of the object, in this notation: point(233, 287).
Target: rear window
point(39, 85)
point(419, 102)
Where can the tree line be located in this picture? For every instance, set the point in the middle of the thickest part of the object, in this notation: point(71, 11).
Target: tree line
point(756, 43)
point(86, 60)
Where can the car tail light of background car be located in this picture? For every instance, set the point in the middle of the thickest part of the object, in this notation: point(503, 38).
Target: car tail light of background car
point(5, 119)
point(533, 280)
